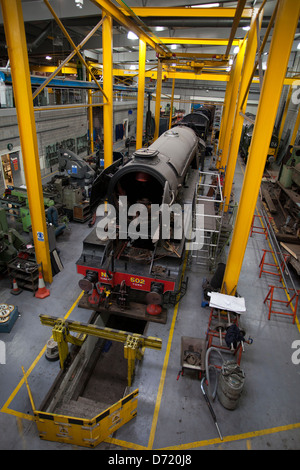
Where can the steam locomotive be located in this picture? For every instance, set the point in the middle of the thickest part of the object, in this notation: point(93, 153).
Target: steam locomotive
point(135, 251)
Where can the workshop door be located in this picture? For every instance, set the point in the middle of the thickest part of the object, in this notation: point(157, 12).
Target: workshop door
point(11, 170)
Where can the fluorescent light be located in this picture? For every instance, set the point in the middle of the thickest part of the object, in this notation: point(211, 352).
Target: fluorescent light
point(236, 50)
point(246, 28)
point(173, 46)
point(206, 5)
point(48, 57)
point(79, 3)
point(298, 47)
point(159, 28)
point(264, 65)
point(131, 35)
point(132, 67)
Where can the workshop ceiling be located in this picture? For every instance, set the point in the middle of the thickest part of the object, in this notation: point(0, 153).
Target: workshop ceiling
point(45, 38)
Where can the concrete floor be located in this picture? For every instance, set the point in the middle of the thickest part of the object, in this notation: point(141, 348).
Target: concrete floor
point(172, 413)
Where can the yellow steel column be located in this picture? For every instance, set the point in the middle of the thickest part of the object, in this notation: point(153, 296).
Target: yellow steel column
point(232, 106)
point(17, 51)
point(90, 114)
point(157, 98)
point(108, 89)
point(284, 117)
point(141, 95)
point(224, 118)
point(171, 105)
point(282, 40)
point(238, 119)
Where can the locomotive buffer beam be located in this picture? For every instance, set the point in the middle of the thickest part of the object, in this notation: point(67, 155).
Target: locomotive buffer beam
point(135, 310)
point(134, 344)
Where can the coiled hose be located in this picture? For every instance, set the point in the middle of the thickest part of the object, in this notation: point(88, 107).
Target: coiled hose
point(208, 367)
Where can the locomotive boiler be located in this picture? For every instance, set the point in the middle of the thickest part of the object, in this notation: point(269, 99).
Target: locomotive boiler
point(137, 249)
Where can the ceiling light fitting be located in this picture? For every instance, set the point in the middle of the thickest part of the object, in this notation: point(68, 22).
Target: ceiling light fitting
point(79, 3)
point(131, 35)
point(206, 5)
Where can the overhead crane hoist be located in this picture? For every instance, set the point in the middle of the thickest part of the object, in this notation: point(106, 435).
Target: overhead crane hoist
point(134, 344)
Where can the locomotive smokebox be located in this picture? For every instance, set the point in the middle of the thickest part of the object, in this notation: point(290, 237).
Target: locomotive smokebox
point(155, 174)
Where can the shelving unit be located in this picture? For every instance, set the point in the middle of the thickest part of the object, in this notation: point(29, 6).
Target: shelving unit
point(81, 212)
point(25, 272)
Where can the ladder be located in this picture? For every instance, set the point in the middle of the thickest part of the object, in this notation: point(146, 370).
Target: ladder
point(207, 220)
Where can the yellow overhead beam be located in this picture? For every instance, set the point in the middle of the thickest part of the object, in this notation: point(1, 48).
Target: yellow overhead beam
point(69, 69)
point(178, 75)
point(185, 12)
point(18, 56)
point(199, 41)
point(218, 77)
point(192, 55)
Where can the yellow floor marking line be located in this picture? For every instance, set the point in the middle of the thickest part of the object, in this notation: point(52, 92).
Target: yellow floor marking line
point(5, 408)
point(127, 445)
point(237, 437)
point(164, 370)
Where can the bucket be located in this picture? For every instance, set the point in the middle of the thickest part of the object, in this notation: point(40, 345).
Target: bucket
point(230, 386)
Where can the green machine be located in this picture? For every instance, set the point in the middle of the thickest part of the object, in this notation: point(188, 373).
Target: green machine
point(15, 201)
point(10, 241)
point(290, 171)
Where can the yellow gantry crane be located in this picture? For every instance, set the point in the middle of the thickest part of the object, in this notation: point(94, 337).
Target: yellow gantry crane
point(134, 344)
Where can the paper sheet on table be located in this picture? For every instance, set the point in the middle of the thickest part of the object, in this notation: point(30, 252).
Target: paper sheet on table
point(227, 302)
